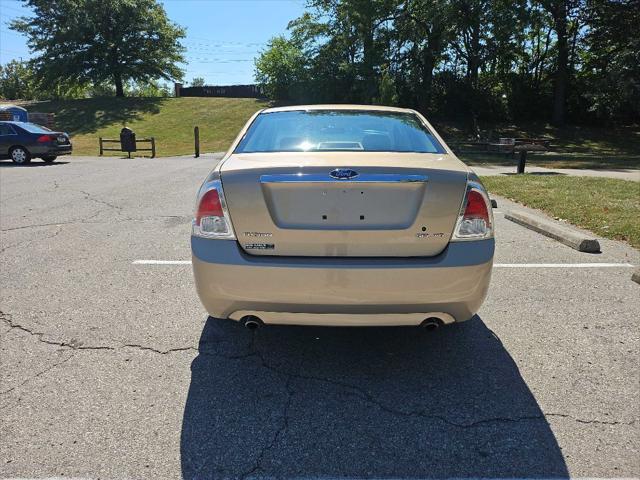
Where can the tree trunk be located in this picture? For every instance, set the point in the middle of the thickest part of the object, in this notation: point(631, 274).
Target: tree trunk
point(367, 60)
point(561, 76)
point(428, 65)
point(117, 79)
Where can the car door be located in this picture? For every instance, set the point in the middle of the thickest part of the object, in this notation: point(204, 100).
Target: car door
point(7, 134)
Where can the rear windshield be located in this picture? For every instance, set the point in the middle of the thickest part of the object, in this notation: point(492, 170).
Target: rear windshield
point(338, 130)
point(33, 128)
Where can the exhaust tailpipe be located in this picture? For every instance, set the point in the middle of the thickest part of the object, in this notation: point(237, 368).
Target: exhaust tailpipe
point(431, 323)
point(251, 322)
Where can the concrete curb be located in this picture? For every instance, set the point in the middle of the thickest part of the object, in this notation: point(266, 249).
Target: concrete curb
point(571, 238)
point(636, 275)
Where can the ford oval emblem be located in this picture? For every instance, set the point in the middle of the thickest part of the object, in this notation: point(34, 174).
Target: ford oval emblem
point(343, 173)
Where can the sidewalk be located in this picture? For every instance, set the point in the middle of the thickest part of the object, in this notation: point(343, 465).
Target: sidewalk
point(619, 173)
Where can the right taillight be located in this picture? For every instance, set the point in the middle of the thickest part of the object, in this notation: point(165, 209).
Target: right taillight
point(476, 217)
point(212, 217)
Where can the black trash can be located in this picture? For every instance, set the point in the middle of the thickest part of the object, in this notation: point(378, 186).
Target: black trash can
point(127, 140)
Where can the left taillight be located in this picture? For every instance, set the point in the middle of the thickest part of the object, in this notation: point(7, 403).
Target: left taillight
point(45, 138)
point(211, 218)
point(475, 221)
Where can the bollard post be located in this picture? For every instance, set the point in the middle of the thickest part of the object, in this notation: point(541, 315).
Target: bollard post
point(196, 134)
point(522, 161)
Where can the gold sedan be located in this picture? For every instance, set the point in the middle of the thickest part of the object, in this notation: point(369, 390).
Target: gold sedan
point(342, 215)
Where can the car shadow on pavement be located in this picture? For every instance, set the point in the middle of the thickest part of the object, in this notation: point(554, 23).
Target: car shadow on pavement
point(34, 163)
point(312, 402)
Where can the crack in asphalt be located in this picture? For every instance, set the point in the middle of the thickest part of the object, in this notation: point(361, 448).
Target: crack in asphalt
point(85, 221)
point(75, 345)
point(155, 350)
point(366, 396)
point(75, 221)
point(89, 196)
point(32, 240)
point(290, 376)
point(42, 372)
point(284, 426)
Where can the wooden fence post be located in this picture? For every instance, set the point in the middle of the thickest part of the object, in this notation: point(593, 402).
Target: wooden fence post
point(196, 134)
point(101, 151)
point(153, 147)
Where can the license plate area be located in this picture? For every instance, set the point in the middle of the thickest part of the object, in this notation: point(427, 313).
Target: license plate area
point(344, 205)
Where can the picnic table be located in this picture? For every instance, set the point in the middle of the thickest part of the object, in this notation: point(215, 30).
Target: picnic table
point(508, 146)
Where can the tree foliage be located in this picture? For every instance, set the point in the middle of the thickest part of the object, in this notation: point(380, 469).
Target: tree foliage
point(16, 81)
point(281, 67)
point(97, 41)
point(477, 59)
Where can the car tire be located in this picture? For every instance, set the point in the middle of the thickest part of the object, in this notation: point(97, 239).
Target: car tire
point(50, 159)
point(20, 155)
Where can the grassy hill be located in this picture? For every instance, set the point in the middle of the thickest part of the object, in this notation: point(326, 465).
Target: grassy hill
point(171, 122)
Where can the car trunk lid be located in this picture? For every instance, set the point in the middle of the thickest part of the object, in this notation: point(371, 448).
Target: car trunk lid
point(343, 203)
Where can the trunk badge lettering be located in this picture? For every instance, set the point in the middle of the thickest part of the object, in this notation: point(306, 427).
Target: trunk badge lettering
point(343, 174)
point(258, 234)
point(259, 246)
point(429, 235)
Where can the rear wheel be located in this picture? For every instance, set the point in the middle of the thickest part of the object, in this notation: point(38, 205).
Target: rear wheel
point(50, 159)
point(20, 155)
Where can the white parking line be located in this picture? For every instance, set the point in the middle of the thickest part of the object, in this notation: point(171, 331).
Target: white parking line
point(162, 262)
point(562, 265)
point(495, 265)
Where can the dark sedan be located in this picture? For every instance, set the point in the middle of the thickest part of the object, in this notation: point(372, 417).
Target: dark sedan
point(22, 141)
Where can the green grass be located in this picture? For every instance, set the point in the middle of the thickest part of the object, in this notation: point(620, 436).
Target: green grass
point(169, 120)
point(557, 160)
point(608, 207)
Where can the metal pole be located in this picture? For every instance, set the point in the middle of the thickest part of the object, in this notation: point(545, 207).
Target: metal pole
point(522, 161)
point(196, 134)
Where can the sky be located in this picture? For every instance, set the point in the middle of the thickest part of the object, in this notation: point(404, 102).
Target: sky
point(223, 36)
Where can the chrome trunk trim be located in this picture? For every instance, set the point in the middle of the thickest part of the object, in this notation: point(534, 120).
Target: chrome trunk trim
point(327, 178)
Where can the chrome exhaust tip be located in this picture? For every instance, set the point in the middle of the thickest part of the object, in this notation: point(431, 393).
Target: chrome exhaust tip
point(251, 322)
point(431, 324)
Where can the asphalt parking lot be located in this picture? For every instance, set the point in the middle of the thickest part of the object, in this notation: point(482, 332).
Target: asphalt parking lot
point(111, 369)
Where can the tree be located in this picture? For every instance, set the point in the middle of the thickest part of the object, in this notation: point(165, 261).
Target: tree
point(280, 68)
point(197, 82)
point(97, 41)
point(16, 81)
point(360, 28)
point(479, 60)
point(424, 31)
point(611, 74)
point(563, 13)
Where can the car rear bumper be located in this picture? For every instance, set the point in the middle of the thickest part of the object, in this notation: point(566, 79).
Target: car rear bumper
point(341, 291)
point(50, 150)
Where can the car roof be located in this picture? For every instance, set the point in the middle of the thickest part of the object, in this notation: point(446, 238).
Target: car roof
point(379, 108)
